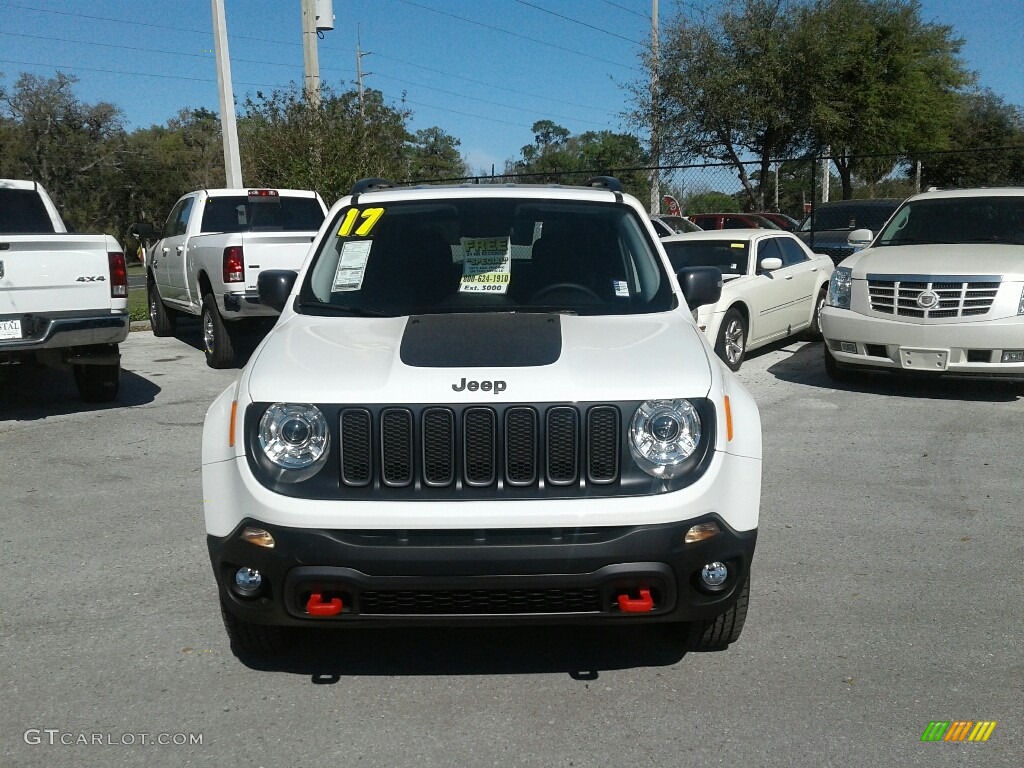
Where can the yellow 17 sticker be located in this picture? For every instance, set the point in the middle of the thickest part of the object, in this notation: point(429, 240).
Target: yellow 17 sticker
point(368, 218)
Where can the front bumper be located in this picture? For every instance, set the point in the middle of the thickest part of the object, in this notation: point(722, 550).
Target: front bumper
point(62, 330)
point(482, 577)
point(974, 348)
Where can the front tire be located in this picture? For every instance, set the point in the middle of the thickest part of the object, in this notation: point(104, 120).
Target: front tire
point(254, 639)
point(162, 321)
point(837, 374)
point(731, 344)
point(718, 633)
point(97, 383)
point(218, 341)
point(814, 330)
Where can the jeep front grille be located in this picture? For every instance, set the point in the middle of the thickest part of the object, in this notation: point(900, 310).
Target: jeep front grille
point(480, 446)
point(932, 297)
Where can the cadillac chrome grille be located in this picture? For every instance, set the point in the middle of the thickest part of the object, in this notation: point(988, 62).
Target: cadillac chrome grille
point(480, 446)
point(930, 297)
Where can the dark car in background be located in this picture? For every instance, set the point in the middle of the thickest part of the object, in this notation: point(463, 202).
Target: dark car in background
point(829, 225)
point(731, 221)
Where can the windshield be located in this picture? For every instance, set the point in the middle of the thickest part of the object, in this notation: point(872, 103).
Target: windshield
point(486, 254)
point(958, 220)
point(730, 256)
point(850, 216)
point(679, 225)
point(239, 213)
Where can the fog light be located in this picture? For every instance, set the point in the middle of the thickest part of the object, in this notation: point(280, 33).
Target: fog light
point(848, 347)
point(248, 581)
point(702, 531)
point(714, 574)
point(1013, 356)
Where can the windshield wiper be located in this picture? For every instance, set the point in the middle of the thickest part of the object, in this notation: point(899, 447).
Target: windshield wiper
point(340, 309)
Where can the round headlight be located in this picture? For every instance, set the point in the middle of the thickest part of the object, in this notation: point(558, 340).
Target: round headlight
point(664, 434)
point(294, 435)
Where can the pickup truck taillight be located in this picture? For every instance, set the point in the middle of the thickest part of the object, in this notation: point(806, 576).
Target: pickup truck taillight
point(234, 265)
point(118, 275)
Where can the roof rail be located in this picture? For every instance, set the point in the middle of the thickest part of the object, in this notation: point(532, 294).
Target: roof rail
point(369, 185)
point(604, 182)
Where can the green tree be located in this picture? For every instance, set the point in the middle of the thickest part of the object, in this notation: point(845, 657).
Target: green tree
point(558, 156)
point(729, 88)
point(433, 154)
point(883, 81)
point(985, 123)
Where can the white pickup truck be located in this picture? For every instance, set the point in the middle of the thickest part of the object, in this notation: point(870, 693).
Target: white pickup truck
point(212, 248)
point(63, 296)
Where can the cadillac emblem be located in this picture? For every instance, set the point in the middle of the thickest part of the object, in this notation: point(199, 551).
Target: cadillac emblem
point(928, 300)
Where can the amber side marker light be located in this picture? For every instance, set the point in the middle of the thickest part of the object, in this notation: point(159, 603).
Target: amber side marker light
point(702, 532)
point(257, 536)
point(728, 419)
point(231, 426)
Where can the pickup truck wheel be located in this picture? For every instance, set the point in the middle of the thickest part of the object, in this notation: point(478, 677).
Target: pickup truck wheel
point(716, 634)
point(732, 339)
point(218, 343)
point(97, 383)
point(254, 639)
point(162, 321)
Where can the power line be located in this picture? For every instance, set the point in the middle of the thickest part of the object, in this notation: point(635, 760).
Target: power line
point(522, 37)
point(627, 10)
point(577, 21)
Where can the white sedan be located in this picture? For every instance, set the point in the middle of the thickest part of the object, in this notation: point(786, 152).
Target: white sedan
point(774, 286)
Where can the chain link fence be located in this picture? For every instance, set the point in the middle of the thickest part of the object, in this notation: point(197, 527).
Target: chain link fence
point(793, 185)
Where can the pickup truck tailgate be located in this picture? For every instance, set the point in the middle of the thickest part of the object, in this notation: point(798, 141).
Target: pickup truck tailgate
point(52, 273)
point(273, 250)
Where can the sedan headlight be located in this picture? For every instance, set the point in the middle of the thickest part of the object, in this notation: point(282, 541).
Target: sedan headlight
point(839, 288)
point(663, 435)
point(295, 437)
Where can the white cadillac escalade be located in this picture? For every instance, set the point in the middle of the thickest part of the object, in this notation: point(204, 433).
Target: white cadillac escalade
point(938, 291)
point(483, 404)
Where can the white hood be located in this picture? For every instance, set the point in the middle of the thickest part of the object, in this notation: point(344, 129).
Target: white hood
point(359, 360)
point(963, 260)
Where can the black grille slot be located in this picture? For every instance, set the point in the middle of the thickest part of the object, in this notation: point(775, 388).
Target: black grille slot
point(438, 447)
point(979, 355)
point(480, 601)
point(602, 444)
point(479, 429)
point(521, 446)
point(562, 445)
point(396, 446)
point(356, 447)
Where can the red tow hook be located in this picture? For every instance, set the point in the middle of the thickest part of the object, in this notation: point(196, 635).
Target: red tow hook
point(644, 604)
point(316, 606)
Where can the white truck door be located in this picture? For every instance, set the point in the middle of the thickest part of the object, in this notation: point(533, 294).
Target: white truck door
point(169, 256)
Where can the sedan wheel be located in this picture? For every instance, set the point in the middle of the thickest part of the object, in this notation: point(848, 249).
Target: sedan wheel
point(732, 339)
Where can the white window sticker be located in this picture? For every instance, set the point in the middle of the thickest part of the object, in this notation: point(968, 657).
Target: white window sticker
point(621, 289)
point(487, 265)
point(352, 265)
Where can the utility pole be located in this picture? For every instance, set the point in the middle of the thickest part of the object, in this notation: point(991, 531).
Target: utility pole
point(359, 74)
point(655, 135)
point(310, 55)
point(826, 177)
point(228, 127)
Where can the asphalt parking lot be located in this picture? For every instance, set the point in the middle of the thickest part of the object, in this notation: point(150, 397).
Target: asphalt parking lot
point(887, 593)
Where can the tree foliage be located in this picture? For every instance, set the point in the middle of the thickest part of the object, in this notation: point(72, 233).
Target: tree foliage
point(558, 156)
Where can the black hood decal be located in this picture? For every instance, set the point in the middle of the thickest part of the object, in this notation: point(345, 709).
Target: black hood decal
point(484, 340)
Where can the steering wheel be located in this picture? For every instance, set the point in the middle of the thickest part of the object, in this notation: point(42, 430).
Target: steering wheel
point(555, 287)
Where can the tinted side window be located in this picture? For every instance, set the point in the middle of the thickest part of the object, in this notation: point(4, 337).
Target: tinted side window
point(768, 249)
point(731, 222)
point(172, 217)
point(181, 223)
point(791, 252)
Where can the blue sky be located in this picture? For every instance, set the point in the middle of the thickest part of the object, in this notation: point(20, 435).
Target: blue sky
point(482, 70)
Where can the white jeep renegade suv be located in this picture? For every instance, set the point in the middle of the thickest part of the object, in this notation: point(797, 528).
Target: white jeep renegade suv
point(938, 291)
point(483, 404)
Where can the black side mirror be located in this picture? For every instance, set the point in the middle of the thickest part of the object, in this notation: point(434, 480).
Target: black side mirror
point(275, 286)
point(143, 230)
point(701, 285)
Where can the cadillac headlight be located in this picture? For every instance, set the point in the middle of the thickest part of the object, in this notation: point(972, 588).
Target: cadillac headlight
point(839, 288)
point(295, 437)
point(663, 435)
